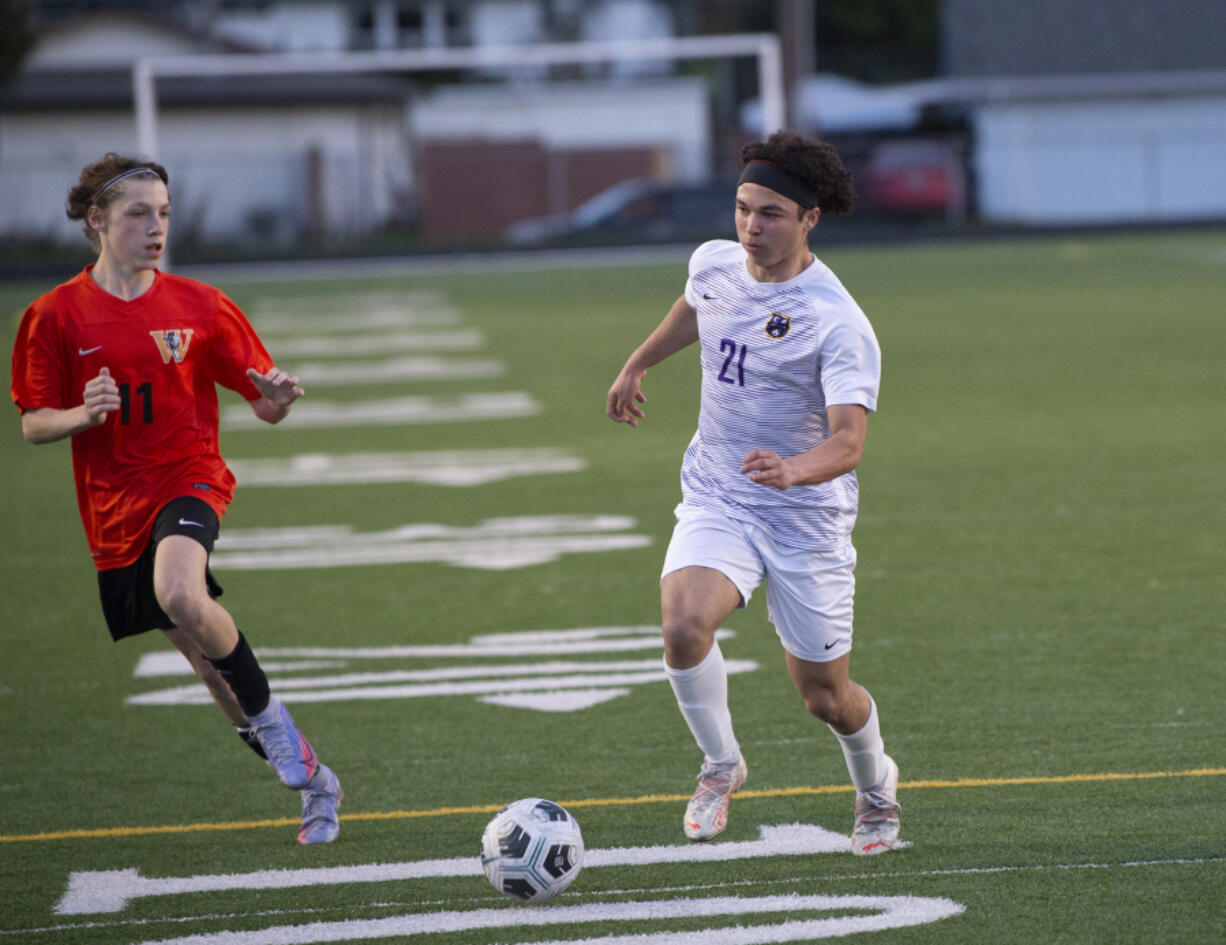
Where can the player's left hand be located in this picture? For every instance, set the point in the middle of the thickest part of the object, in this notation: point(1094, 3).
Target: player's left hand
point(767, 468)
point(277, 386)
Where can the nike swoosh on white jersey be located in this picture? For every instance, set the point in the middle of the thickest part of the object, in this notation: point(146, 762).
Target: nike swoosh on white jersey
point(84, 351)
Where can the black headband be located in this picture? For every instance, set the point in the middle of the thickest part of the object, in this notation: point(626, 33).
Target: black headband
point(769, 175)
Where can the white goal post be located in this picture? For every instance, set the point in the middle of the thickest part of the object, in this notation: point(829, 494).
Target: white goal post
point(764, 47)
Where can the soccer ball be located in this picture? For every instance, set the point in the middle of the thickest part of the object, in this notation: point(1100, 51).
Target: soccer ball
point(532, 850)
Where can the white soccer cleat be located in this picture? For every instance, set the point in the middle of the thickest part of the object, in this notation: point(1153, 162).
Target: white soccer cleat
point(288, 752)
point(877, 815)
point(321, 798)
point(706, 815)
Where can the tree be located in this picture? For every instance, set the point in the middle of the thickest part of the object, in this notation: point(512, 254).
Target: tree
point(879, 40)
point(872, 40)
point(16, 37)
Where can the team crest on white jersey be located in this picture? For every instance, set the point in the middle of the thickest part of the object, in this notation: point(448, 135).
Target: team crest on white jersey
point(778, 325)
point(173, 343)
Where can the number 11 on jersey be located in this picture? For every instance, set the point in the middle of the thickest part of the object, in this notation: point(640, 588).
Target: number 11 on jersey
point(145, 393)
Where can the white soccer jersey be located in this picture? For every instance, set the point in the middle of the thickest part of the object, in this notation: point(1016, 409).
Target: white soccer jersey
point(773, 356)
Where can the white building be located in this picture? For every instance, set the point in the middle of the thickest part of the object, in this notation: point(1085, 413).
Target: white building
point(280, 157)
point(1058, 150)
point(261, 158)
point(1119, 149)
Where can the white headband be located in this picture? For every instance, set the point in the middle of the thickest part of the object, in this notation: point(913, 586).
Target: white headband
point(117, 178)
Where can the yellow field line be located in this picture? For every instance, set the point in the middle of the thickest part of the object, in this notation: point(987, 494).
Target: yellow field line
point(107, 832)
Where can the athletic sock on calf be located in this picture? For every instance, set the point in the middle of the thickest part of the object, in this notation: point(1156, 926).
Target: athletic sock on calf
point(702, 697)
point(864, 753)
point(247, 734)
point(241, 670)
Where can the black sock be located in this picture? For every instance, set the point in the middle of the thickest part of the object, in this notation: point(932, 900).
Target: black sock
point(247, 734)
point(242, 671)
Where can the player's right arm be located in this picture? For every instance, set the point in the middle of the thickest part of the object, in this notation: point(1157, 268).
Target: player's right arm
point(48, 424)
point(678, 330)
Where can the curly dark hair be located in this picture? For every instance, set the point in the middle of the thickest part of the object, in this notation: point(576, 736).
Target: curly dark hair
point(84, 193)
point(814, 163)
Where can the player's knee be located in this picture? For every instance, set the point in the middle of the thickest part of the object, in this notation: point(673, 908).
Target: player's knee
point(687, 640)
point(183, 605)
point(824, 704)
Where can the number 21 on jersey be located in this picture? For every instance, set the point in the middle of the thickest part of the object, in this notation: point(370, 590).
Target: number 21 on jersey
point(733, 371)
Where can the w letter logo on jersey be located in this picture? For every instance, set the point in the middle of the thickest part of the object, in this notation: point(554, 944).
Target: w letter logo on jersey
point(173, 344)
point(777, 325)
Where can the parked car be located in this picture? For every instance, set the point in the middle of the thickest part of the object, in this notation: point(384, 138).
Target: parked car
point(913, 177)
point(637, 210)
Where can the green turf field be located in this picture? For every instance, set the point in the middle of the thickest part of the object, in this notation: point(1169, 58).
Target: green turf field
point(1040, 617)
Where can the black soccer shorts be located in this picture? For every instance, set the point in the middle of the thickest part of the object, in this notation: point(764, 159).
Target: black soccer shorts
point(128, 601)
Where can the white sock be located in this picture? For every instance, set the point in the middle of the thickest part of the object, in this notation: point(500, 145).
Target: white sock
point(269, 713)
point(864, 752)
point(702, 697)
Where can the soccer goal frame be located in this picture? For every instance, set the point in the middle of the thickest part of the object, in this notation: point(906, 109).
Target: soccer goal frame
point(765, 48)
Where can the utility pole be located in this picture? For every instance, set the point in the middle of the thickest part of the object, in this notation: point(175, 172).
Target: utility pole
point(798, 36)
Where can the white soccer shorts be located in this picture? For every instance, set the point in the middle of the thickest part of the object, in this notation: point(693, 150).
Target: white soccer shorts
point(809, 594)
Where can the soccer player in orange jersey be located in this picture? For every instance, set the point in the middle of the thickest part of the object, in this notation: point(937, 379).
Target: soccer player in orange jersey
point(124, 360)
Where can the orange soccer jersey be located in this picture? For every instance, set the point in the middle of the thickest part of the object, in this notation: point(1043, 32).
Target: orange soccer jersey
point(166, 350)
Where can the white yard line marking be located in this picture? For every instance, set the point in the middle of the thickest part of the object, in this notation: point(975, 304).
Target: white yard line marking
point(496, 555)
point(359, 313)
point(541, 688)
point(386, 342)
point(94, 891)
point(310, 414)
point(456, 468)
point(516, 526)
point(555, 700)
point(390, 371)
point(807, 878)
point(544, 686)
point(519, 643)
point(559, 668)
point(493, 544)
point(885, 912)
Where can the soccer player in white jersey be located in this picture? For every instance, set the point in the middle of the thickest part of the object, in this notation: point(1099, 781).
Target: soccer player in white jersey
point(790, 373)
